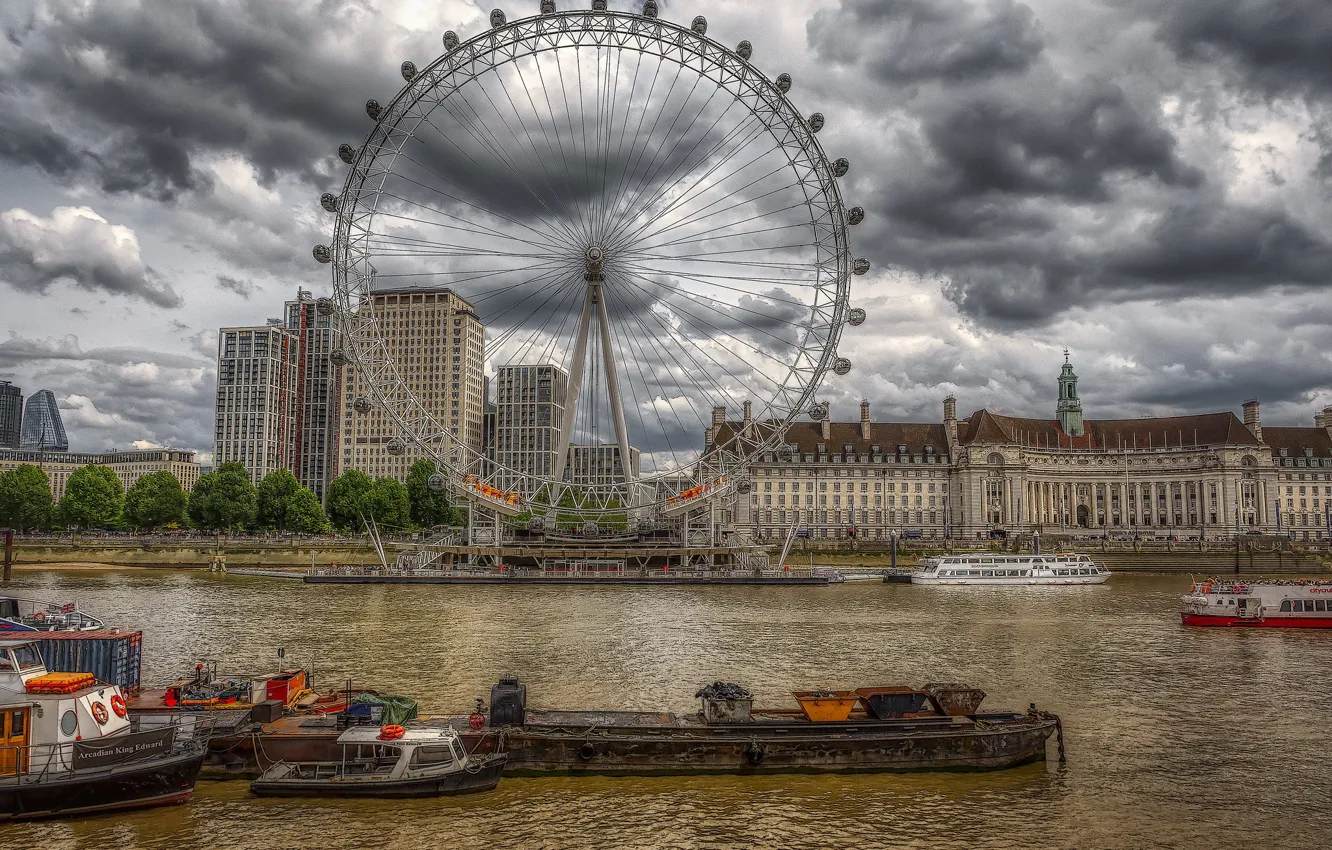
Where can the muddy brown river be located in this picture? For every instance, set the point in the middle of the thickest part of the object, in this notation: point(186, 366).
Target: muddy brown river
point(1176, 737)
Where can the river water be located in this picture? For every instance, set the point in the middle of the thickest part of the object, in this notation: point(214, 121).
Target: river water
point(1176, 737)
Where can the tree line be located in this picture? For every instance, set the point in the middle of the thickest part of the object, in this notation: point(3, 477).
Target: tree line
point(222, 500)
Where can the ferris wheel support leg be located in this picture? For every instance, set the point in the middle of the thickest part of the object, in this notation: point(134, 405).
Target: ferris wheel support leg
point(571, 399)
point(613, 390)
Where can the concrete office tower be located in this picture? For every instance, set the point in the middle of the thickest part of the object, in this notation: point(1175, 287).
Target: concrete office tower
point(42, 428)
point(257, 370)
point(11, 415)
point(314, 442)
point(593, 465)
point(529, 407)
point(438, 344)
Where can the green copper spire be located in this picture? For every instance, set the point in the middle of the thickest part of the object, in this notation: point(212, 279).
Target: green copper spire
point(1069, 409)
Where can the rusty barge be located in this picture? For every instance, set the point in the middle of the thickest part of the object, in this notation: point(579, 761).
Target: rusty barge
point(871, 730)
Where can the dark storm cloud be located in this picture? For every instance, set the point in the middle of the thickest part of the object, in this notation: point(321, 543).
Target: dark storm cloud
point(1280, 46)
point(131, 94)
point(911, 41)
point(17, 350)
point(244, 288)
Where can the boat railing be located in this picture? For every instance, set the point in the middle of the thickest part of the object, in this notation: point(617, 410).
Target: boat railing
point(50, 762)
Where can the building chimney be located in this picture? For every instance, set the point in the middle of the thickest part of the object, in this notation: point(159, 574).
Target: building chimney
point(1252, 420)
point(1318, 420)
point(950, 422)
point(826, 425)
point(864, 420)
point(718, 416)
point(749, 415)
point(1327, 419)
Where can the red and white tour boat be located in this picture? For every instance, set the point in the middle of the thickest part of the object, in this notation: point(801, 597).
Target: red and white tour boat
point(1259, 603)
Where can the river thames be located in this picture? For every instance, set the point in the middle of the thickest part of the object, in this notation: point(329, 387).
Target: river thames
point(1176, 737)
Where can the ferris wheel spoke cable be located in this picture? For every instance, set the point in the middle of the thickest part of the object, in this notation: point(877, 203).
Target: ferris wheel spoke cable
point(492, 177)
point(561, 308)
point(623, 343)
point(713, 236)
point(472, 203)
point(666, 368)
point(722, 307)
point(646, 232)
point(677, 308)
point(492, 143)
point(749, 131)
point(471, 230)
point(620, 185)
point(559, 138)
point(394, 241)
point(713, 231)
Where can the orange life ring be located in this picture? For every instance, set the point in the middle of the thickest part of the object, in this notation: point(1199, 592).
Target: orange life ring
point(391, 732)
point(99, 714)
point(118, 706)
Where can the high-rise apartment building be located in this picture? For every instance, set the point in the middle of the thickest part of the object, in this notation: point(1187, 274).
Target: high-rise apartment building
point(314, 440)
point(438, 344)
point(594, 465)
point(529, 412)
point(42, 428)
point(11, 415)
point(257, 372)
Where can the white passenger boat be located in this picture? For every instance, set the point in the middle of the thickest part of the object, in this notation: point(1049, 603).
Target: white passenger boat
point(1009, 569)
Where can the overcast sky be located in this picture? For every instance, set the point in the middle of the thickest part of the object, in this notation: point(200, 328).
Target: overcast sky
point(1147, 184)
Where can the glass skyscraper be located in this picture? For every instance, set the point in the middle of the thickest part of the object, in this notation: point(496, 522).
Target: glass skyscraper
point(42, 428)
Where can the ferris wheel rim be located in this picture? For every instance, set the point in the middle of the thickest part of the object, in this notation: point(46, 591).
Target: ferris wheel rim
point(612, 30)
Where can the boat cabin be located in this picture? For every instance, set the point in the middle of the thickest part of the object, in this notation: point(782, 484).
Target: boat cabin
point(366, 756)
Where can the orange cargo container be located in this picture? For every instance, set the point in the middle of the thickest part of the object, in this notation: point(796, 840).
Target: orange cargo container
point(827, 706)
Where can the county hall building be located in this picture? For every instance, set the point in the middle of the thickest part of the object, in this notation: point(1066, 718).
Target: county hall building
point(991, 475)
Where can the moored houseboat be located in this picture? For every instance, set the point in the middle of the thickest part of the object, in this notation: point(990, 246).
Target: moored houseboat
point(993, 569)
point(1259, 603)
point(68, 745)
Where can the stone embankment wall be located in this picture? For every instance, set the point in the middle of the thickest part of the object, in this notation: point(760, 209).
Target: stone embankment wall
point(237, 553)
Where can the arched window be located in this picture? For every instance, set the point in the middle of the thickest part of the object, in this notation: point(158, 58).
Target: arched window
point(995, 459)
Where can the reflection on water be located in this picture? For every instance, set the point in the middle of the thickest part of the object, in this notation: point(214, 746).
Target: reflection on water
point(1176, 737)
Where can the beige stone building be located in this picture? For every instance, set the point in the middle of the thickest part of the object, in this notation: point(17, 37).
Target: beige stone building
point(129, 465)
point(438, 344)
point(990, 475)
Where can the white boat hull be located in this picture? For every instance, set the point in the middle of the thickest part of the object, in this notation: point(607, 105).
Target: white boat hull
point(1014, 580)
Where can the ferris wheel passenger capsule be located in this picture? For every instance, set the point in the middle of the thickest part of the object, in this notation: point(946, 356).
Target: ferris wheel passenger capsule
point(598, 5)
point(816, 122)
point(547, 7)
point(373, 109)
point(339, 358)
point(856, 317)
point(786, 454)
point(395, 447)
point(536, 524)
point(408, 71)
point(497, 18)
point(322, 254)
point(329, 201)
point(860, 266)
point(744, 486)
point(324, 306)
point(437, 482)
point(347, 153)
point(783, 83)
point(744, 50)
point(450, 41)
point(649, 8)
point(590, 529)
point(841, 365)
point(855, 215)
point(362, 405)
point(645, 525)
point(818, 411)
point(700, 25)
point(841, 166)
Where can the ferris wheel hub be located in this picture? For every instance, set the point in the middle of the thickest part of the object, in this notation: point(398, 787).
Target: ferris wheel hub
point(595, 257)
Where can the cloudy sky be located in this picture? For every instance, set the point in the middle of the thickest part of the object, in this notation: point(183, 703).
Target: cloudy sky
point(1147, 184)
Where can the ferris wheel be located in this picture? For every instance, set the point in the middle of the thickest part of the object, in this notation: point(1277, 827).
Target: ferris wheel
point(624, 200)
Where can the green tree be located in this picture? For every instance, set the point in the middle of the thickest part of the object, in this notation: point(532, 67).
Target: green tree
point(346, 496)
point(25, 498)
point(273, 495)
point(389, 504)
point(428, 507)
point(224, 499)
point(304, 514)
point(94, 498)
point(155, 500)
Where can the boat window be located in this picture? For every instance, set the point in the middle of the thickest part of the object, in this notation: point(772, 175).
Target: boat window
point(16, 721)
point(1320, 605)
point(987, 572)
point(6, 665)
point(1024, 572)
point(27, 656)
point(458, 749)
point(1285, 604)
point(432, 755)
point(69, 723)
